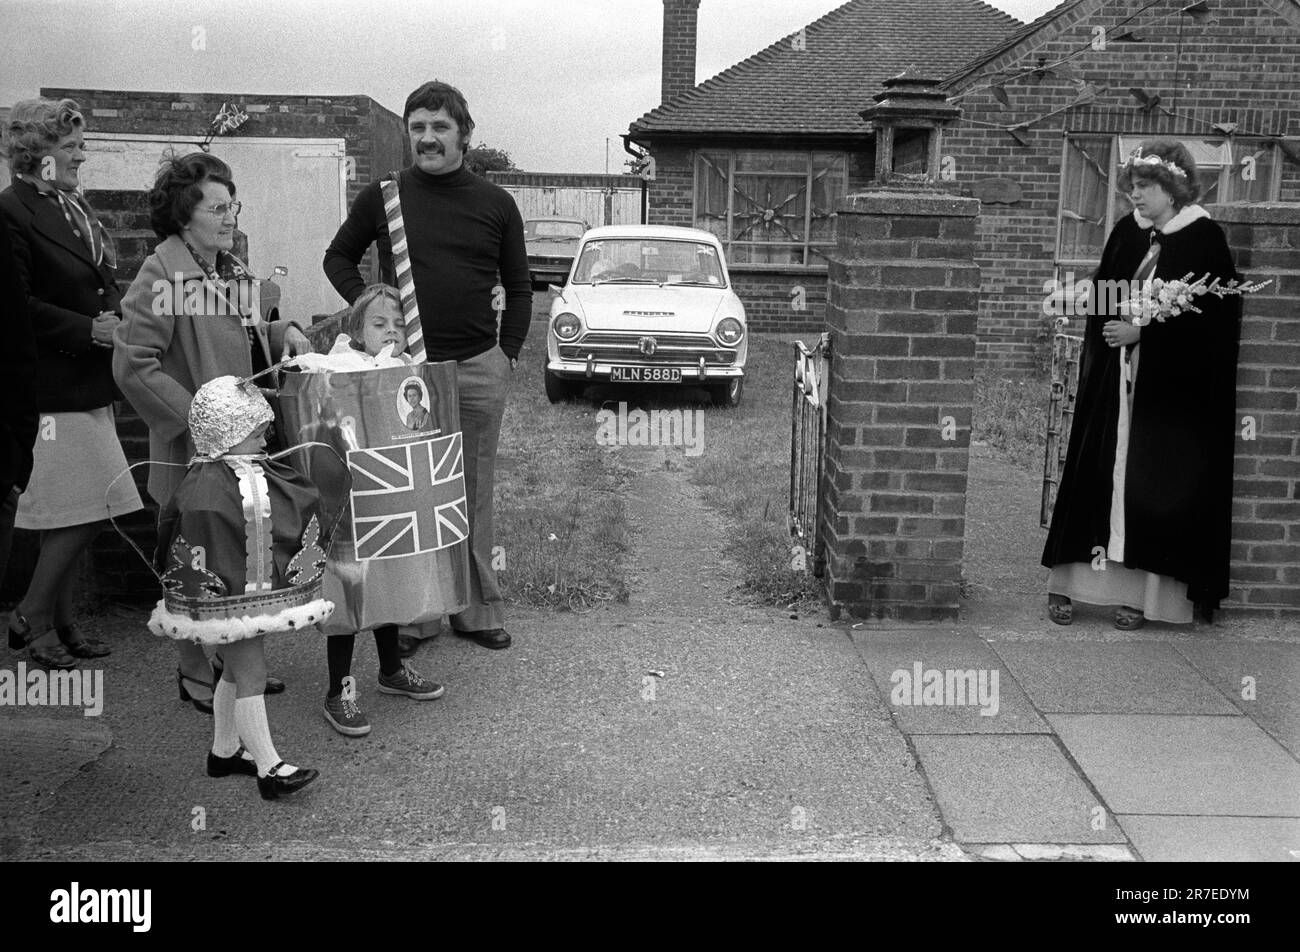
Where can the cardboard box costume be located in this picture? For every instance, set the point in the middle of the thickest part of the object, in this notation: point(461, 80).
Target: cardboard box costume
point(401, 553)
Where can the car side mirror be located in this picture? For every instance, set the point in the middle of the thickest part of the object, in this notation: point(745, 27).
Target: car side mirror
point(555, 289)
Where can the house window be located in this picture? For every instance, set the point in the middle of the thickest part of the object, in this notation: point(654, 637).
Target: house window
point(1231, 170)
point(773, 209)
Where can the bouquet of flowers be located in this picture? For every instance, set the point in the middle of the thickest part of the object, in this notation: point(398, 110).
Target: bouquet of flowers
point(1160, 299)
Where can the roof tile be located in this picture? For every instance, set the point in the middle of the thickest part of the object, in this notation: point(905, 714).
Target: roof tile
point(847, 54)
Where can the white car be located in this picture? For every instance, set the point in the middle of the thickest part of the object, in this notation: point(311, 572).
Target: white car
point(647, 304)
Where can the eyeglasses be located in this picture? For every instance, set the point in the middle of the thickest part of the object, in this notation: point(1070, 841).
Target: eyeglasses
point(225, 208)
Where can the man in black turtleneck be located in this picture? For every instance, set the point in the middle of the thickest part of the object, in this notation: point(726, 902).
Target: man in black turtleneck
point(464, 234)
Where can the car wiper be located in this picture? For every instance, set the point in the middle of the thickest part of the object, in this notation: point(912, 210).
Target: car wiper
point(624, 280)
point(698, 284)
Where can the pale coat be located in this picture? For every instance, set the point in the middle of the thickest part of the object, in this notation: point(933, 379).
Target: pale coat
point(161, 358)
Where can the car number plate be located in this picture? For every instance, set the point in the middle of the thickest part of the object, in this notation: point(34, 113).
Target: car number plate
point(645, 374)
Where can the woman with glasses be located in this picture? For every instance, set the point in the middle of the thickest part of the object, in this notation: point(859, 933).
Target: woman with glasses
point(65, 265)
point(191, 316)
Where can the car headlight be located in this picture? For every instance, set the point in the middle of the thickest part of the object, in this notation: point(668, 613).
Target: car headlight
point(566, 326)
point(730, 330)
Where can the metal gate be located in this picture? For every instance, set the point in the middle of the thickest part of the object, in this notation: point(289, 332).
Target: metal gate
point(1066, 351)
point(808, 447)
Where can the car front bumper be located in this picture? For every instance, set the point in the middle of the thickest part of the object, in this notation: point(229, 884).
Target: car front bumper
point(594, 369)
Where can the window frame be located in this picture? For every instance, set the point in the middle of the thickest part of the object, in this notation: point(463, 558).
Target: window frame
point(1224, 189)
point(806, 245)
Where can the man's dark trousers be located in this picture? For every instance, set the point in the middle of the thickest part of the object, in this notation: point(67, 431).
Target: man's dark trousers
point(482, 383)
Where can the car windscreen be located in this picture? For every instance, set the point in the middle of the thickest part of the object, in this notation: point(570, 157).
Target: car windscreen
point(649, 261)
point(553, 229)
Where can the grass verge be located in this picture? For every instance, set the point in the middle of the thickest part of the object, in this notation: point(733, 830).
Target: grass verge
point(744, 474)
point(1010, 416)
point(560, 519)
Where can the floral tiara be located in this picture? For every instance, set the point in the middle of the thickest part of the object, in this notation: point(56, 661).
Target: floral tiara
point(1136, 161)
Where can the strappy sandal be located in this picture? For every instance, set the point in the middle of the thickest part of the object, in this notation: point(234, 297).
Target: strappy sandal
point(1061, 612)
point(79, 646)
point(50, 657)
point(202, 705)
point(1129, 619)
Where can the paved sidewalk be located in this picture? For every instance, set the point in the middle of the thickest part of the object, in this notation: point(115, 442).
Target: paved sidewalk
point(1170, 743)
point(685, 725)
point(678, 726)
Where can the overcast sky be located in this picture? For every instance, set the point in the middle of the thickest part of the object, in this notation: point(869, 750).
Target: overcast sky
point(546, 80)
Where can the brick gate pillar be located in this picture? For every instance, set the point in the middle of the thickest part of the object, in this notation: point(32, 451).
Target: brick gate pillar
point(903, 296)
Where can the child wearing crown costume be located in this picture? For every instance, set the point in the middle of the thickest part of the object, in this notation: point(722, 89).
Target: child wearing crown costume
point(241, 556)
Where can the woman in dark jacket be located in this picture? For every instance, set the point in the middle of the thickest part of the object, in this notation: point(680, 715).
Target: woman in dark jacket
point(1144, 515)
point(17, 399)
point(65, 261)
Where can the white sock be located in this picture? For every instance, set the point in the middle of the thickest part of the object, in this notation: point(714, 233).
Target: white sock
point(250, 719)
point(225, 737)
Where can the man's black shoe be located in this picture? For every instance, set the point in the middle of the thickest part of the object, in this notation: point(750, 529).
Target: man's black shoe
point(494, 638)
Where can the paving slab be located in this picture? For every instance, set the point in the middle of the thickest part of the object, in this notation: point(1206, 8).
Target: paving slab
point(1181, 764)
point(1142, 678)
point(893, 657)
point(1260, 679)
point(1217, 839)
point(998, 788)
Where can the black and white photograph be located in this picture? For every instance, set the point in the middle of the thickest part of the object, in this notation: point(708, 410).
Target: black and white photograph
point(876, 440)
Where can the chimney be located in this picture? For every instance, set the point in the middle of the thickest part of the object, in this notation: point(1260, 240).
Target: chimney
point(680, 17)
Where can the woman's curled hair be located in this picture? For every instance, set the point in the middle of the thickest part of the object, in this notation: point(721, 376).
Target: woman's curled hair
point(34, 128)
point(178, 189)
point(1184, 189)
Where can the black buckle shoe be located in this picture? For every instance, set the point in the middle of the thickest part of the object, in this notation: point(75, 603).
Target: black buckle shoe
point(271, 786)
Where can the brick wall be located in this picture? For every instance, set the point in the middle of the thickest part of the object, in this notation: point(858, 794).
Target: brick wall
point(373, 135)
point(904, 295)
point(1265, 575)
point(680, 20)
point(1018, 242)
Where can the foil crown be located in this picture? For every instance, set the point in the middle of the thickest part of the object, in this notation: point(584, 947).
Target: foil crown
point(224, 413)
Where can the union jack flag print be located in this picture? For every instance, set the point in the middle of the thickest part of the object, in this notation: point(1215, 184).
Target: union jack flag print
point(408, 498)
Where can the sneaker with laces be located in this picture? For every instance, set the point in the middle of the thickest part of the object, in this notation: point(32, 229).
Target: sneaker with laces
point(410, 682)
point(343, 713)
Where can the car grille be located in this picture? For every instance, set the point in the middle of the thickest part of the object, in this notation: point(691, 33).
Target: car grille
point(610, 346)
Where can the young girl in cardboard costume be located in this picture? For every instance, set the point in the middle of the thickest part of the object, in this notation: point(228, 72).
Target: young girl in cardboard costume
point(374, 338)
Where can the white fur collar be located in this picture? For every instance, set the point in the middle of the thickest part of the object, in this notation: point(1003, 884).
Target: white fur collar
point(1189, 214)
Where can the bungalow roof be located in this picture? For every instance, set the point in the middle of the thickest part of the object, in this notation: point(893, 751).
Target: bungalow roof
point(815, 81)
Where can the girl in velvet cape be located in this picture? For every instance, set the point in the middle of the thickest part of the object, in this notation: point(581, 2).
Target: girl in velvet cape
point(1148, 476)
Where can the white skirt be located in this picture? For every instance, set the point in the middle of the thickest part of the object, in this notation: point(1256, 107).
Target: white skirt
point(1159, 597)
point(77, 455)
